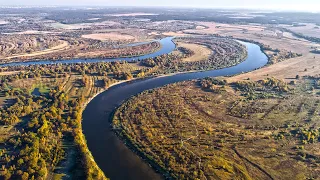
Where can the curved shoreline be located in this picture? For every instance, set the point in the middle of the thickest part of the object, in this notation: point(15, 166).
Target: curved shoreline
point(116, 102)
point(166, 46)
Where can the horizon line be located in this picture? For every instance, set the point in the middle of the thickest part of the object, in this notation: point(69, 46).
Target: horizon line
point(164, 6)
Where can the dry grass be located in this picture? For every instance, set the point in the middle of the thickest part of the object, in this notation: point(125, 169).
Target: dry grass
point(176, 34)
point(308, 30)
point(6, 132)
point(200, 52)
point(217, 28)
point(62, 46)
point(287, 69)
point(109, 36)
point(9, 73)
point(34, 32)
point(284, 70)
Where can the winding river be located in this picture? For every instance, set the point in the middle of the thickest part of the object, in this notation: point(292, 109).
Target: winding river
point(110, 153)
point(167, 46)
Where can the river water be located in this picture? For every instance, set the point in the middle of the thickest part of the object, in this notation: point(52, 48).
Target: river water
point(111, 154)
point(167, 46)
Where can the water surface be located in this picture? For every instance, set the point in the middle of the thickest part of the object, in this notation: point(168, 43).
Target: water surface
point(111, 154)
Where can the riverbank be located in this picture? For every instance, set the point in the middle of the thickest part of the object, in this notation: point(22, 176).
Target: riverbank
point(166, 45)
point(115, 96)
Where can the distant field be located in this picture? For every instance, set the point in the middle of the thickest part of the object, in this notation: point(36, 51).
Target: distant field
point(307, 30)
point(132, 14)
point(177, 34)
point(62, 46)
point(3, 22)
point(109, 36)
point(219, 28)
point(34, 32)
point(68, 26)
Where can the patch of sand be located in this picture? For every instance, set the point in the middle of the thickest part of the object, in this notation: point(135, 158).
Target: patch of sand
point(109, 36)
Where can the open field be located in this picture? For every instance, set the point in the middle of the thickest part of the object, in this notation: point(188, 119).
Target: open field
point(175, 34)
point(62, 46)
point(34, 32)
point(306, 29)
point(89, 25)
point(109, 36)
point(9, 73)
point(217, 28)
point(200, 52)
point(131, 14)
point(68, 26)
point(3, 22)
point(16, 45)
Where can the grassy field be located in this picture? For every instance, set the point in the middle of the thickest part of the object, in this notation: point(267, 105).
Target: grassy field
point(209, 129)
point(307, 29)
point(62, 46)
point(200, 52)
point(109, 36)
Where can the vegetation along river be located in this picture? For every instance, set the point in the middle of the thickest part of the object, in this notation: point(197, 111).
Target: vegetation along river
point(167, 46)
point(110, 153)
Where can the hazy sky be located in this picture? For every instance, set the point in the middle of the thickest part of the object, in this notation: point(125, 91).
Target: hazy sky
point(309, 5)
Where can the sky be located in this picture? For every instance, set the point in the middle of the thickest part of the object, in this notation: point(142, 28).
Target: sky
point(300, 5)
